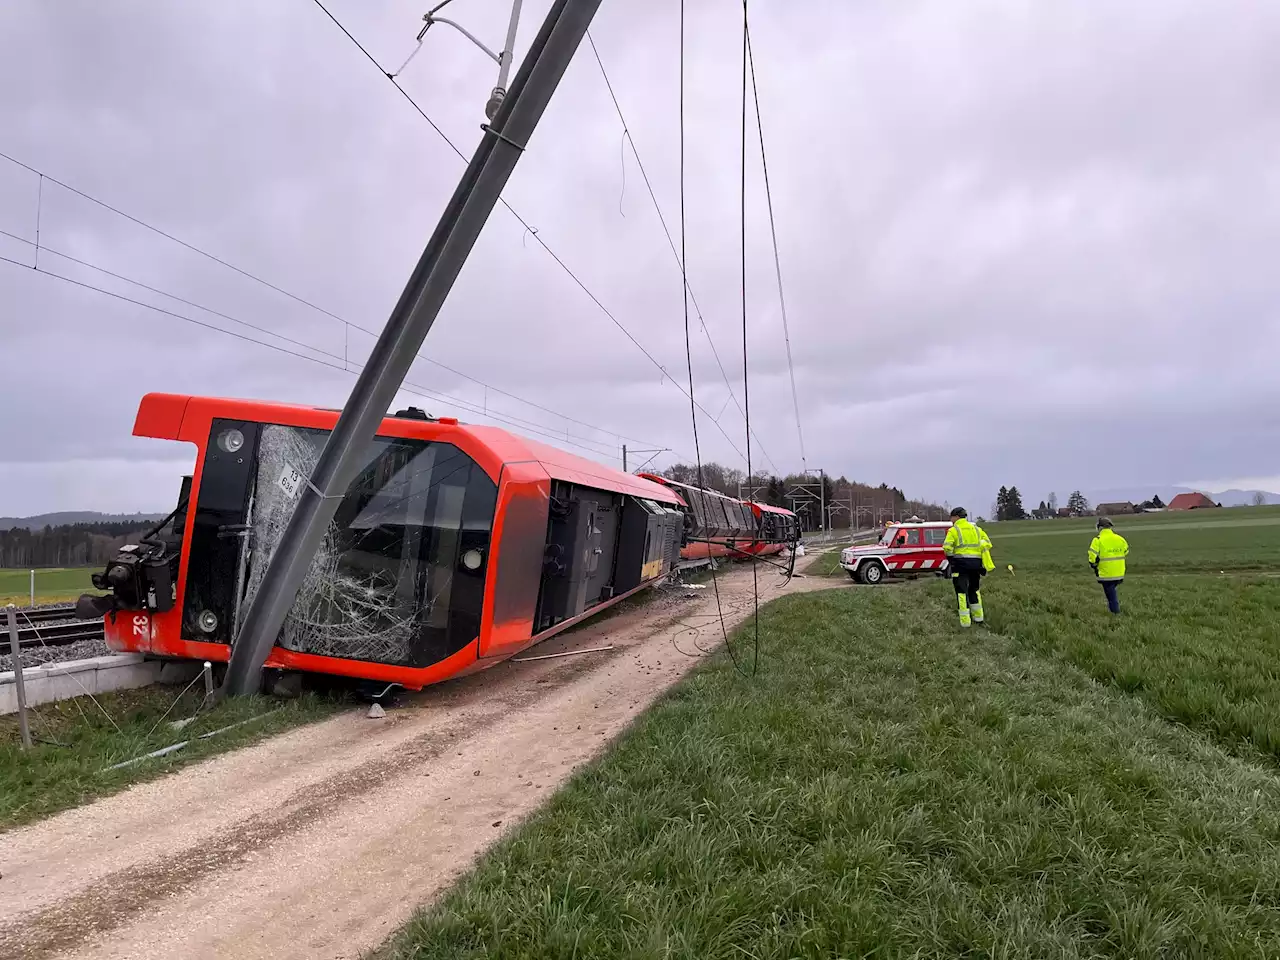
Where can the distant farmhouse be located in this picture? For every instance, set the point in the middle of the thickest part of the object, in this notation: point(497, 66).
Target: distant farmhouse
point(1115, 509)
point(1191, 501)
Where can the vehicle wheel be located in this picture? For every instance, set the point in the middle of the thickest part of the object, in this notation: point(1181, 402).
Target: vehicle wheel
point(854, 576)
point(872, 573)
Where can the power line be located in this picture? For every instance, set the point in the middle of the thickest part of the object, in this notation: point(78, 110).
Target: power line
point(410, 387)
point(773, 232)
point(626, 132)
point(465, 405)
point(746, 390)
point(271, 286)
point(688, 348)
point(525, 223)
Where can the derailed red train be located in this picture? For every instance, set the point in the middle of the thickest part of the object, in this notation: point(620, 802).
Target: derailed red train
point(720, 526)
point(456, 546)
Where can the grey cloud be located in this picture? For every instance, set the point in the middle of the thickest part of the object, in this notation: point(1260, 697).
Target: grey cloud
point(1023, 242)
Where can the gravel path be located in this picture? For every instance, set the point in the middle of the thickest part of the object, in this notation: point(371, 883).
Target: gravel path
point(322, 841)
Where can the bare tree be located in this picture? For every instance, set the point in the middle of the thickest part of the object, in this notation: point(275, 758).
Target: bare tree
point(1259, 498)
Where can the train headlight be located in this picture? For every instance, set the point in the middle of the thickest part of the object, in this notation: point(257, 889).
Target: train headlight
point(472, 560)
point(230, 440)
point(207, 621)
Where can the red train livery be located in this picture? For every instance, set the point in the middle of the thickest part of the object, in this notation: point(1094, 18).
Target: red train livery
point(456, 546)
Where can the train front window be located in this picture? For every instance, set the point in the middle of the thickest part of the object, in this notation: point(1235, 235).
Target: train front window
point(400, 575)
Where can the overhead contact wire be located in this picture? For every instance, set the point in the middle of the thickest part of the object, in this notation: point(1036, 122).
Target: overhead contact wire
point(777, 259)
point(274, 287)
point(635, 151)
point(527, 226)
point(688, 348)
point(746, 390)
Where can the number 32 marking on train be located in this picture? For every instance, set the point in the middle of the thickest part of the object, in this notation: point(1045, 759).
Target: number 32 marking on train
point(140, 623)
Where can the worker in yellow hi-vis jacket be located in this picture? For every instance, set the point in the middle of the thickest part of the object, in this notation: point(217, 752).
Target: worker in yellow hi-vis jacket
point(965, 547)
point(1107, 555)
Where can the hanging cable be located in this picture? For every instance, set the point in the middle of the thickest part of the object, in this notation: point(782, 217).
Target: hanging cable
point(270, 286)
point(635, 151)
point(333, 363)
point(777, 260)
point(746, 391)
point(688, 348)
point(530, 231)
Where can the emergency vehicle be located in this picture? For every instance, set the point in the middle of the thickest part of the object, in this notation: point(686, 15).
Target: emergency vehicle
point(904, 550)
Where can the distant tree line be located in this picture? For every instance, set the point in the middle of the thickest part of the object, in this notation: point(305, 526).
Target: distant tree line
point(70, 545)
point(1008, 506)
point(849, 503)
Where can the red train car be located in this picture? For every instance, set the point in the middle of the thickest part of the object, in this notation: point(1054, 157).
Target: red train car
point(455, 547)
point(720, 526)
point(777, 528)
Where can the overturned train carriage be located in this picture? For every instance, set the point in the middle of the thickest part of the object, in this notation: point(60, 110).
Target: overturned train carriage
point(455, 546)
point(717, 525)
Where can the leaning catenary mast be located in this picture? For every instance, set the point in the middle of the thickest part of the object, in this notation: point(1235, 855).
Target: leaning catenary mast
point(515, 114)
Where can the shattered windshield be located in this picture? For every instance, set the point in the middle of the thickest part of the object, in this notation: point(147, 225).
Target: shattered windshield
point(400, 575)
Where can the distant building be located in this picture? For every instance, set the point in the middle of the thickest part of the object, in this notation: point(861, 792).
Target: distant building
point(1064, 511)
point(1190, 501)
point(1115, 509)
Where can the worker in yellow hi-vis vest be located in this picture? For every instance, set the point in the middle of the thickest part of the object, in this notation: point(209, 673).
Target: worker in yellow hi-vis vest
point(1107, 554)
point(965, 547)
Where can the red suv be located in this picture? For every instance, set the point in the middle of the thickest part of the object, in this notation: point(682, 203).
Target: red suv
point(905, 550)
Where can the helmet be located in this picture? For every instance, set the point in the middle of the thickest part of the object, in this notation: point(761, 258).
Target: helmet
point(959, 512)
point(1105, 522)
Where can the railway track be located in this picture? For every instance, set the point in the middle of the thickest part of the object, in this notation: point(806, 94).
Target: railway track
point(52, 627)
point(39, 615)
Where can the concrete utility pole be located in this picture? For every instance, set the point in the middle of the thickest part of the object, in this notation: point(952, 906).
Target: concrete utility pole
point(432, 279)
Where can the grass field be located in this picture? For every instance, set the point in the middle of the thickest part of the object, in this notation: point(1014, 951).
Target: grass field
point(52, 584)
point(1059, 784)
point(76, 740)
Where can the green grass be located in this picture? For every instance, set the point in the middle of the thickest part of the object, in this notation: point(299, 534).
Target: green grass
point(52, 584)
point(887, 786)
point(1195, 541)
point(824, 565)
point(1203, 651)
point(77, 741)
point(1061, 783)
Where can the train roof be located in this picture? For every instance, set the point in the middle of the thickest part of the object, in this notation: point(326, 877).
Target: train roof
point(770, 508)
point(667, 482)
point(168, 416)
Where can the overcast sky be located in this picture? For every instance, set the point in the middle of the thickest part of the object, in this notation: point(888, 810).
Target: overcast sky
point(1022, 242)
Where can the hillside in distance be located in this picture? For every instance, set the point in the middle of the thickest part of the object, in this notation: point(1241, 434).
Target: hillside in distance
point(40, 521)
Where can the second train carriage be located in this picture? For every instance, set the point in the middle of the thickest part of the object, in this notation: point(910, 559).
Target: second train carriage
point(717, 525)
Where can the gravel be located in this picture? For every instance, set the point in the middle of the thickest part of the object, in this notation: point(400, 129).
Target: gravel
point(35, 656)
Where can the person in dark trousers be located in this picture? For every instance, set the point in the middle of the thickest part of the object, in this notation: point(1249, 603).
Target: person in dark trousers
point(1107, 555)
point(964, 547)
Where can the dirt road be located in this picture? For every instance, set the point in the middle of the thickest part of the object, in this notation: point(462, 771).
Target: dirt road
point(321, 841)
